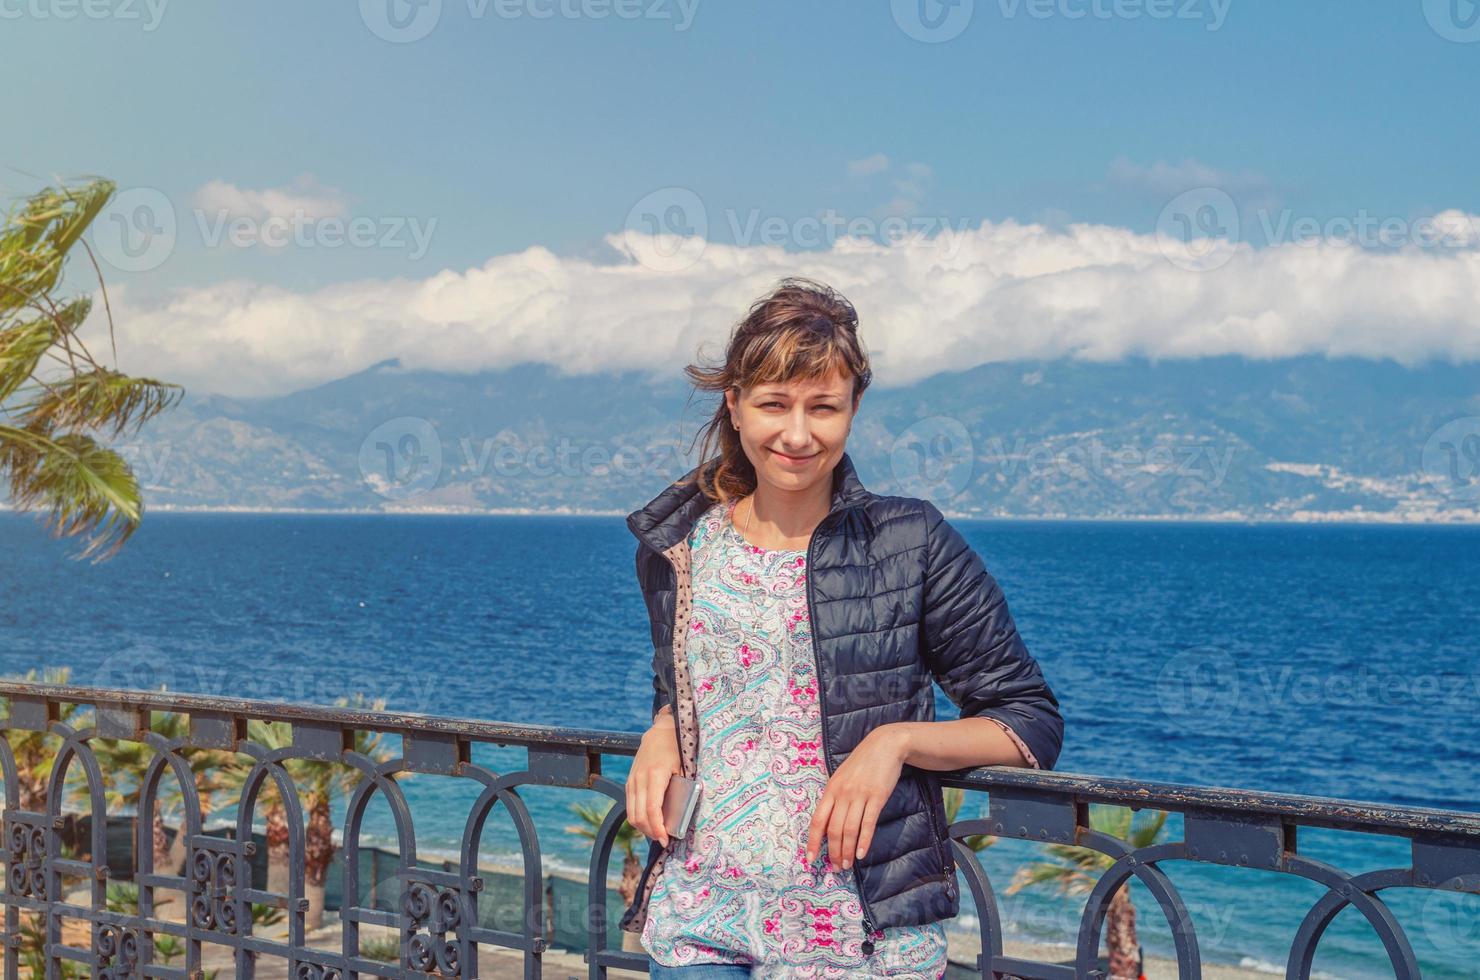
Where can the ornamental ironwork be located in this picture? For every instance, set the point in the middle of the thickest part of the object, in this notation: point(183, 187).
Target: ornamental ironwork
point(437, 920)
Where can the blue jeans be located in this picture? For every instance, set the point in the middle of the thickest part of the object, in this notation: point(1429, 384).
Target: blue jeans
point(698, 971)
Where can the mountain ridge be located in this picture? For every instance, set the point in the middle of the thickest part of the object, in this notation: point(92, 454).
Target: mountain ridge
point(1300, 438)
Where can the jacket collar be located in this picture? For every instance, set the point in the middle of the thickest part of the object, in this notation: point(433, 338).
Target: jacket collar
point(669, 517)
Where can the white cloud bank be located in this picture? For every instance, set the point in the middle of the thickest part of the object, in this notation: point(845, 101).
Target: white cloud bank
point(306, 197)
point(998, 292)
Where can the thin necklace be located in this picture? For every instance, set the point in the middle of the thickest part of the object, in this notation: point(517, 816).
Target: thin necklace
point(748, 516)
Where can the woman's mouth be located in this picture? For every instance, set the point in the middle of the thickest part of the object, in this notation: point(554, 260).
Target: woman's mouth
point(793, 460)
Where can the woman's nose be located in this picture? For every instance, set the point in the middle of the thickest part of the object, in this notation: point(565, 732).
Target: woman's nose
point(798, 432)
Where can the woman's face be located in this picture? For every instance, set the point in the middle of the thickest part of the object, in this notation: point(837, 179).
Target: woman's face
point(794, 432)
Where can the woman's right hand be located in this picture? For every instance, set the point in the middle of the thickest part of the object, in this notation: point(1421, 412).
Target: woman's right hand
point(657, 761)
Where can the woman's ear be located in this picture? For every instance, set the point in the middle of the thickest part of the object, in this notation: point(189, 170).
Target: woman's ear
point(731, 400)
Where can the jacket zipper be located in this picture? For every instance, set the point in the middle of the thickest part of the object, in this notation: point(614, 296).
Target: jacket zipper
point(868, 916)
point(932, 801)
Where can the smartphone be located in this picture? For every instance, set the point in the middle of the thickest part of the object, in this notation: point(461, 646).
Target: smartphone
point(679, 804)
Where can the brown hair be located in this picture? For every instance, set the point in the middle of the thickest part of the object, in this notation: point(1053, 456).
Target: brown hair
point(801, 330)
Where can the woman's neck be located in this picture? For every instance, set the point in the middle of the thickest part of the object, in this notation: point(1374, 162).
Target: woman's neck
point(783, 519)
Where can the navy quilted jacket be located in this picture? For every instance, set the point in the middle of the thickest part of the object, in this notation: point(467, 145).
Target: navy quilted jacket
point(896, 598)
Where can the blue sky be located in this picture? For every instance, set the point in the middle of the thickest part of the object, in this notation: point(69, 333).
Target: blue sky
point(496, 132)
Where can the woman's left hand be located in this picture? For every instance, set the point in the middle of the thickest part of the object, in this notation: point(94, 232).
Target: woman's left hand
point(854, 797)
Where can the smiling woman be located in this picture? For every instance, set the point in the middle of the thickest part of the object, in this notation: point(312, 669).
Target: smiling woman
point(793, 433)
point(798, 621)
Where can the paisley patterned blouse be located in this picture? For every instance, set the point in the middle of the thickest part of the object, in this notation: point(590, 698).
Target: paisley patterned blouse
point(738, 888)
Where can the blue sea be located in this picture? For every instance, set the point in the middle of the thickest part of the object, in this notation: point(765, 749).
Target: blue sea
point(1334, 660)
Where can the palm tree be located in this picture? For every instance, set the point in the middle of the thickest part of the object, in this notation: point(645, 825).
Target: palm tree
point(954, 797)
point(271, 736)
point(324, 782)
point(209, 768)
point(123, 764)
point(45, 415)
point(318, 784)
point(592, 816)
point(1074, 871)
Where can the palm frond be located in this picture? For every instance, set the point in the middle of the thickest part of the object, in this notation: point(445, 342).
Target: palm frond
point(46, 453)
point(1064, 879)
point(101, 399)
point(1148, 831)
point(87, 487)
point(23, 344)
point(38, 235)
point(978, 842)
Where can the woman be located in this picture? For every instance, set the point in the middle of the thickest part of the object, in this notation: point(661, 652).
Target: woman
point(798, 621)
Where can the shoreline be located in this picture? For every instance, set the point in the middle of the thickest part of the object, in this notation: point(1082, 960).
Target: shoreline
point(963, 947)
point(1300, 519)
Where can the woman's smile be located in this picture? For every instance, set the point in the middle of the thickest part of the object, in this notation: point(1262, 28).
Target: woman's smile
point(794, 460)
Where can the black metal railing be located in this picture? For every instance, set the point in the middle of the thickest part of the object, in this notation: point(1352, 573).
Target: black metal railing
point(438, 925)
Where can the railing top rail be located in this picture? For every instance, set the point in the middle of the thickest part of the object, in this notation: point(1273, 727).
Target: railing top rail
point(1315, 811)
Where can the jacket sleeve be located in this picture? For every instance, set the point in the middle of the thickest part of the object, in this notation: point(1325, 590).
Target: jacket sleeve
point(662, 682)
point(973, 649)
